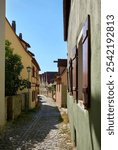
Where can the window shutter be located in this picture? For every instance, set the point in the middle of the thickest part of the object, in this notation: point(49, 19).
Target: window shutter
point(70, 77)
point(33, 71)
point(68, 80)
point(75, 73)
point(86, 63)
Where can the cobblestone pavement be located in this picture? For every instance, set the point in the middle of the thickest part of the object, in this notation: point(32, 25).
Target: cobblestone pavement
point(41, 129)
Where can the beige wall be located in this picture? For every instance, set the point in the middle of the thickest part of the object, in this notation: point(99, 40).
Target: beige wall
point(64, 78)
point(2, 63)
point(64, 89)
point(61, 91)
point(59, 94)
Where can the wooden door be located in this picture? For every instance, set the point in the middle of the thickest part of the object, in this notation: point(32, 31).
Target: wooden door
point(9, 108)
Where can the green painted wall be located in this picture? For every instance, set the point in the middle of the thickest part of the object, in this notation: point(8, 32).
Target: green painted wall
point(86, 123)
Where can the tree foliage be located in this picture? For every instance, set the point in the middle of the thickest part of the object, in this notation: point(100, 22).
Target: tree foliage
point(13, 68)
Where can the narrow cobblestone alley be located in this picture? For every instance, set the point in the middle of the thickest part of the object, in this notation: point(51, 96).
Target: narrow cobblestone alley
point(41, 129)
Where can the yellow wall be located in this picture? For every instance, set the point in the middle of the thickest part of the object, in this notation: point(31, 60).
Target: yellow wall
point(34, 81)
point(18, 49)
point(26, 60)
point(2, 63)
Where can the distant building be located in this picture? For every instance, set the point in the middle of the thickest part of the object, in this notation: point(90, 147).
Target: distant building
point(61, 83)
point(47, 81)
point(43, 89)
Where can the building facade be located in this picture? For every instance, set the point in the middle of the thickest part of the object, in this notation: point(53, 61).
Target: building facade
point(35, 82)
point(28, 60)
point(82, 31)
point(2, 63)
point(61, 83)
point(43, 89)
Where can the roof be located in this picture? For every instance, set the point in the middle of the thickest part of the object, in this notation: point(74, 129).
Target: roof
point(66, 13)
point(31, 53)
point(36, 63)
point(27, 51)
point(49, 76)
point(62, 62)
point(18, 38)
point(27, 44)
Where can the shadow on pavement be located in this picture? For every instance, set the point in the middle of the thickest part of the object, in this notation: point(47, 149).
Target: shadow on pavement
point(32, 128)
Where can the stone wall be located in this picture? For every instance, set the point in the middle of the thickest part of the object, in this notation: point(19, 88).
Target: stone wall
point(13, 106)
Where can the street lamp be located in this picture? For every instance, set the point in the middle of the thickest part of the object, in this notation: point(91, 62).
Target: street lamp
point(28, 87)
point(28, 70)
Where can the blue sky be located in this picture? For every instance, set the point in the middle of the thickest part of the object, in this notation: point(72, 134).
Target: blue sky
point(41, 23)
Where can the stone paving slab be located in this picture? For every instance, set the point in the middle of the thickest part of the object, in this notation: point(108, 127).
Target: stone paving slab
point(41, 129)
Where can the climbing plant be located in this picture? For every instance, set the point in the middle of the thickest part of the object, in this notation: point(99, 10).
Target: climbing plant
point(13, 68)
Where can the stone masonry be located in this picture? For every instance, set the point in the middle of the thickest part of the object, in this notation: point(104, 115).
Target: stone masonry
point(40, 129)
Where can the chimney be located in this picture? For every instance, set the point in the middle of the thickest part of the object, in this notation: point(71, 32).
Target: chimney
point(14, 26)
point(20, 36)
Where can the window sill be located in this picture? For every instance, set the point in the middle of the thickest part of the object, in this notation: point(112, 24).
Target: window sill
point(81, 105)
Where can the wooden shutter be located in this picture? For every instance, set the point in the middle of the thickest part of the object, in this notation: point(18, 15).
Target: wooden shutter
point(86, 62)
point(75, 74)
point(68, 80)
point(70, 77)
point(33, 71)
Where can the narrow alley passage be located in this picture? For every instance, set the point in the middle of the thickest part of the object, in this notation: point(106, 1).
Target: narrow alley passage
point(41, 129)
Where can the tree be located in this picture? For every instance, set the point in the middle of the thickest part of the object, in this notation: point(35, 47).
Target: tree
point(52, 88)
point(13, 68)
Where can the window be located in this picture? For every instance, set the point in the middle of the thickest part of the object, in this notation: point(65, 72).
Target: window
point(75, 74)
point(33, 96)
point(80, 70)
point(37, 75)
point(86, 63)
point(33, 71)
point(79, 67)
point(70, 78)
